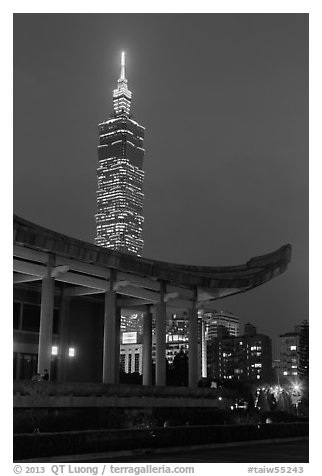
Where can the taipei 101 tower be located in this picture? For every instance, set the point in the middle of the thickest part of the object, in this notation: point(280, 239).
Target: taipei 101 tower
point(119, 217)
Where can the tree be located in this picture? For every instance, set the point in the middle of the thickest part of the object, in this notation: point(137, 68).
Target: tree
point(180, 368)
point(262, 402)
point(133, 378)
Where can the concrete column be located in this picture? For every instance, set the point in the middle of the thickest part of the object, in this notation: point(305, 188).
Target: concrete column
point(111, 344)
point(18, 366)
point(147, 347)
point(160, 364)
point(193, 347)
point(46, 320)
point(63, 334)
point(117, 345)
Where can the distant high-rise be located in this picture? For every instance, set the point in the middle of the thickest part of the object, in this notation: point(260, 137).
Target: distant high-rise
point(304, 351)
point(119, 217)
point(288, 356)
point(245, 358)
point(214, 319)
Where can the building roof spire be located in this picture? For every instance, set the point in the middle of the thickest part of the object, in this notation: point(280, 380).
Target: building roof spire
point(122, 95)
point(122, 75)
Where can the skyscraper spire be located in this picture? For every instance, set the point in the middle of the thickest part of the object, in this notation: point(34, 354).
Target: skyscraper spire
point(122, 77)
point(122, 95)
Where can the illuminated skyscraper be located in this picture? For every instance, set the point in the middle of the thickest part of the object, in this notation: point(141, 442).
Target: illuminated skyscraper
point(119, 218)
point(214, 319)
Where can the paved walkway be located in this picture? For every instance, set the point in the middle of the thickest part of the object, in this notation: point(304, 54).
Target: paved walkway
point(296, 451)
point(283, 450)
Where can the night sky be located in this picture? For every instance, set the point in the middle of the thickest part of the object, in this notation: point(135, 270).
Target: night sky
point(224, 100)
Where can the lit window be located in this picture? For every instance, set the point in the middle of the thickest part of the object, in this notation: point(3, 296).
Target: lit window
point(293, 347)
point(285, 372)
point(71, 352)
point(54, 350)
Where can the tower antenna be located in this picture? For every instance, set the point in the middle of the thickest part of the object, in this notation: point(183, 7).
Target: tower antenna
point(122, 65)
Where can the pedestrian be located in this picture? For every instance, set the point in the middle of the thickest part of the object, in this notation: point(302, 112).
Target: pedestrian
point(46, 375)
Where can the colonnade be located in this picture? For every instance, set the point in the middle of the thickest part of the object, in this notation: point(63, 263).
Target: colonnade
point(111, 340)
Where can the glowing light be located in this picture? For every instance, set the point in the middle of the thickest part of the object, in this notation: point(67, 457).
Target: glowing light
point(54, 350)
point(71, 352)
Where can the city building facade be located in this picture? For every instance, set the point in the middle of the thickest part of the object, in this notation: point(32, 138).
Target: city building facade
point(131, 358)
point(131, 322)
point(176, 339)
point(176, 336)
point(214, 319)
point(245, 358)
point(120, 174)
point(304, 351)
point(288, 361)
point(210, 323)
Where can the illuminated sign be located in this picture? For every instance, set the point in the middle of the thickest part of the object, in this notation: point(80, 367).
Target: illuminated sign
point(129, 338)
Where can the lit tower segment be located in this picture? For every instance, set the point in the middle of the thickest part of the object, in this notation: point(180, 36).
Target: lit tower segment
point(119, 218)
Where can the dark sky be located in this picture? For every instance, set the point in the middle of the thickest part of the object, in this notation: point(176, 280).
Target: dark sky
point(224, 99)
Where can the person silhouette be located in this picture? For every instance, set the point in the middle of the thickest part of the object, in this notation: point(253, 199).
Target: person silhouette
point(46, 375)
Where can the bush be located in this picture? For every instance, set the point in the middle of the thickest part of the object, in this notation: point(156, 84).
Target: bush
point(35, 446)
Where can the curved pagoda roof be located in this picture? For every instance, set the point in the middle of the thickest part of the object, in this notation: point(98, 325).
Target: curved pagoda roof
point(32, 243)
